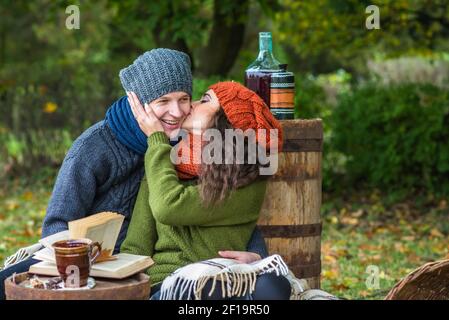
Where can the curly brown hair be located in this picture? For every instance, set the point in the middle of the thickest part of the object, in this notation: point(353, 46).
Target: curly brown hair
point(217, 181)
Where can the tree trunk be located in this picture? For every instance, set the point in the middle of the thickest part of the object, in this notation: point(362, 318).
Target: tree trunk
point(225, 40)
point(179, 44)
point(166, 42)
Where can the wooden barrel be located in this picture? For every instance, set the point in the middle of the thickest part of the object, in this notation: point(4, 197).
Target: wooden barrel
point(290, 219)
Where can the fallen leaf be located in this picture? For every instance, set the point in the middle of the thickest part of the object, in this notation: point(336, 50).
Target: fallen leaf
point(414, 258)
point(340, 286)
point(9, 239)
point(42, 212)
point(369, 247)
point(364, 293)
point(28, 196)
point(400, 247)
point(331, 274)
point(50, 107)
point(436, 233)
point(439, 248)
point(330, 259)
point(342, 252)
point(381, 230)
point(11, 205)
point(394, 229)
point(350, 221)
point(370, 258)
point(334, 220)
point(358, 213)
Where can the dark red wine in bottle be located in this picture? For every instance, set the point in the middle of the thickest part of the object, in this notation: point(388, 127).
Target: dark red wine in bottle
point(259, 82)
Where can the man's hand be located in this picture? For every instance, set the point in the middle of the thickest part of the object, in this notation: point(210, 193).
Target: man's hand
point(145, 117)
point(240, 256)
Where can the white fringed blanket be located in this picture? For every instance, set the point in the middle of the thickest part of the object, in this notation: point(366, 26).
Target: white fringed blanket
point(237, 279)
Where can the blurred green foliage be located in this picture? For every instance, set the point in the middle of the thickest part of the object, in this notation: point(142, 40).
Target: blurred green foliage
point(394, 137)
point(56, 82)
point(323, 35)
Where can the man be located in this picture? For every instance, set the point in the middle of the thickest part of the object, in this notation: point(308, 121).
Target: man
point(103, 168)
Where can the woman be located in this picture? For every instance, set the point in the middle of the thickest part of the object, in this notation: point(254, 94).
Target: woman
point(216, 206)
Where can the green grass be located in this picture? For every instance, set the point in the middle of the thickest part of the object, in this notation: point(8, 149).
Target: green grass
point(361, 231)
point(23, 204)
point(358, 231)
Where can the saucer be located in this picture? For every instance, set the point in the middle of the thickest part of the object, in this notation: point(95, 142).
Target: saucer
point(90, 285)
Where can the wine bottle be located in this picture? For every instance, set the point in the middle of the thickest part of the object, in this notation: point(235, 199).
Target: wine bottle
point(266, 76)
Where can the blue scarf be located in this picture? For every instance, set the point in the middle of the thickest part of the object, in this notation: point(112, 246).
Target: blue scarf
point(125, 127)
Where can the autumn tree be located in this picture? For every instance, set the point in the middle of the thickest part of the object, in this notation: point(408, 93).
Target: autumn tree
point(324, 34)
point(210, 31)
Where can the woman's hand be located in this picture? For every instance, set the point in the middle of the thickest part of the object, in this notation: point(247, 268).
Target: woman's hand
point(240, 256)
point(147, 120)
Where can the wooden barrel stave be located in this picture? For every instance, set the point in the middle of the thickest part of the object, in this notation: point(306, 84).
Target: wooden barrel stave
point(290, 217)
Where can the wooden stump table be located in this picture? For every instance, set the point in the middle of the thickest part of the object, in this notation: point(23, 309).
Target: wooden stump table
point(136, 287)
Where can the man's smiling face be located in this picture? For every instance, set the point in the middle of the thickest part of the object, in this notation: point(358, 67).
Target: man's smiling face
point(171, 109)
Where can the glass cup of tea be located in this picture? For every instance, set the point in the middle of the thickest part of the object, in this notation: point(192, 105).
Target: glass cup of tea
point(74, 259)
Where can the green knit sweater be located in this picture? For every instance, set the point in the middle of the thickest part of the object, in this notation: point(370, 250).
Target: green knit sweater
point(170, 223)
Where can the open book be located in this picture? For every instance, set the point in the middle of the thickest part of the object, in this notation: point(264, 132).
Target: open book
point(124, 266)
point(104, 228)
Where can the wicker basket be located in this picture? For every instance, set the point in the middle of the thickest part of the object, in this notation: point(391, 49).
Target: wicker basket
point(428, 282)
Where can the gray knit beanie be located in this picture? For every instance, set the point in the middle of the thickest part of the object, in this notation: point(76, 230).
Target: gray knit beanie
point(156, 73)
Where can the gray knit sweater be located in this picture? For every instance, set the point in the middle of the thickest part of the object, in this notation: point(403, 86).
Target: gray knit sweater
point(98, 174)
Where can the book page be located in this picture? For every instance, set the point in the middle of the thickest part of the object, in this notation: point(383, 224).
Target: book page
point(44, 268)
point(45, 254)
point(106, 234)
point(97, 234)
point(124, 260)
point(78, 228)
point(112, 231)
point(103, 227)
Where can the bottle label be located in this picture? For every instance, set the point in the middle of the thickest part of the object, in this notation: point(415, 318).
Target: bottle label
point(282, 95)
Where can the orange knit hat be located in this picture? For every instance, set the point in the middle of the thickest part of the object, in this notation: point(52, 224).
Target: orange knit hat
point(246, 110)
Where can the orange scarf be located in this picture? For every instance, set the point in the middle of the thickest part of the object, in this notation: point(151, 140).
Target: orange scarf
point(189, 152)
point(190, 155)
